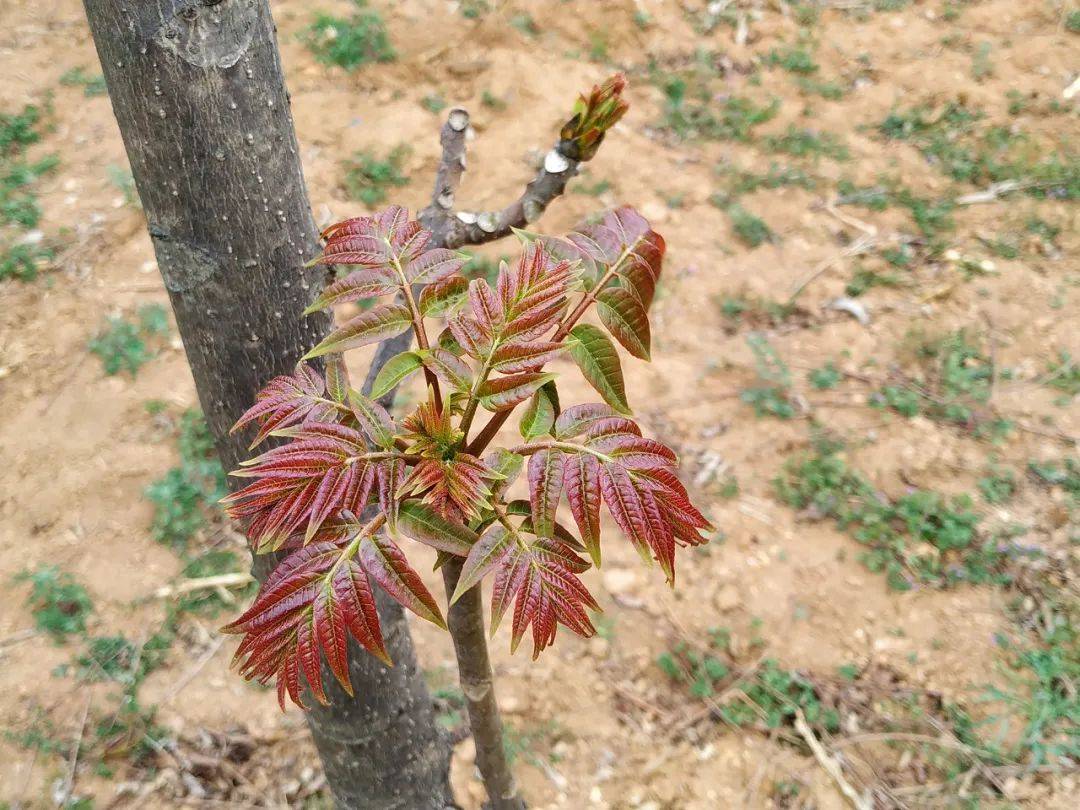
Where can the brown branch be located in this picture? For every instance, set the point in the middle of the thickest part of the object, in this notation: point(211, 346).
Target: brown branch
point(465, 619)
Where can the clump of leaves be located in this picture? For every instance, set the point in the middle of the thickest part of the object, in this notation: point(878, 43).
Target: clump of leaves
point(769, 697)
point(750, 228)
point(60, 605)
point(693, 111)
point(1064, 375)
point(184, 496)
point(807, 143)
point(592, 117)
point(998, 485)
point(959, 142)
point(773, 396)
point(21, 252)
point(825, 378)
point(350, 42)
point(369, 178)
point(792, 59)
point(92, 85)
point(122, 344)
point(920, 538)
point(431, 479)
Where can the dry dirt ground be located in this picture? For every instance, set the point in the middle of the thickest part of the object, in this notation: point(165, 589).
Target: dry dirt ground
point(616, 721)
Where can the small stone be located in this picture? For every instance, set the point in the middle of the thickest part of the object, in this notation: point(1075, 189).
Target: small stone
point(727, 598)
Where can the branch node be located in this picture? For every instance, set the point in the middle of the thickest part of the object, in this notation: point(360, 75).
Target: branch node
point(487, 221)
point(458, 119)
point(555, 162)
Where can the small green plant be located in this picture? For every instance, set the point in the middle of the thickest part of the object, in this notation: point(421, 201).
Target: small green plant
point(806, 143)
point(124, 182)
point(904, 401)
point(433, 103)
point(474, 9)
point(1064, 375)
point(793, 60)
point(526, 24)
point(186, 494)
point(1072, 21)
point(920, 538)
point(982, 66)
point(18, 202)
point(773, 396)
point(22, 261)
point(865, 279)
point(750, 228)
point(737, 182)
point(369, 178)
point(91, 85)
point(998, 485)
point(18, 130)
point(825, 378)
point(351, 42)
point(59, 604)
point(122, 344)
point(693, 111)
point(828, 90)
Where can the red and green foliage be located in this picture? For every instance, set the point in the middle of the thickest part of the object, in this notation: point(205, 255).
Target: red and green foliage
point(348, 487)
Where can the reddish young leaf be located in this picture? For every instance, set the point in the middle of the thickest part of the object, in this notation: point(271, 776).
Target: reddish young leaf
point(506, 392)
point(625, 317)
point(357, 286)
point(313, 601)
point(385, 321)
point(581, 477)
point(545, 488)
point(286, 401)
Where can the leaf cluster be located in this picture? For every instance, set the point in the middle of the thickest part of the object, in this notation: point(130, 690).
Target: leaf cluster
point(350, 484)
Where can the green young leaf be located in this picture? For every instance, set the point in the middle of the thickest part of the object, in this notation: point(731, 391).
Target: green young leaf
point(624, 316)
point(397, 369)
point(446, 295)
point(386, 321)
point(598, 360)
point(374, 420)
point(483, 557)
point(539, 416)
point(424, 525)
point(337, 378)
point(448, 367)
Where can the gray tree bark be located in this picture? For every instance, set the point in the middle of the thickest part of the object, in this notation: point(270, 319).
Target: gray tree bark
point(198, 91)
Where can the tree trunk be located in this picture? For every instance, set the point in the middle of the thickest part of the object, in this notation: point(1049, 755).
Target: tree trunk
point(198, 91)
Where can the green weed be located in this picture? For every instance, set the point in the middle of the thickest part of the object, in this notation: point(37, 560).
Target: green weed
point(825, 378)
point(91, 85)
point(920, 538)
point(805, 143)
point(998, 485)
point(59, 604)
point(692, 110)
point(351, 42)
point(122, 344)
point(793, 60)
point(773, 396)
point(750, 228)
point(369, 178)
point(184, 496)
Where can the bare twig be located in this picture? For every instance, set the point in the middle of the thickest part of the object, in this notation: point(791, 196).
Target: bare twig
point(860, 245)
point(993, 192)
point(73, 758)
point(218, 581)
point(189, 676)
point(829, 763)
